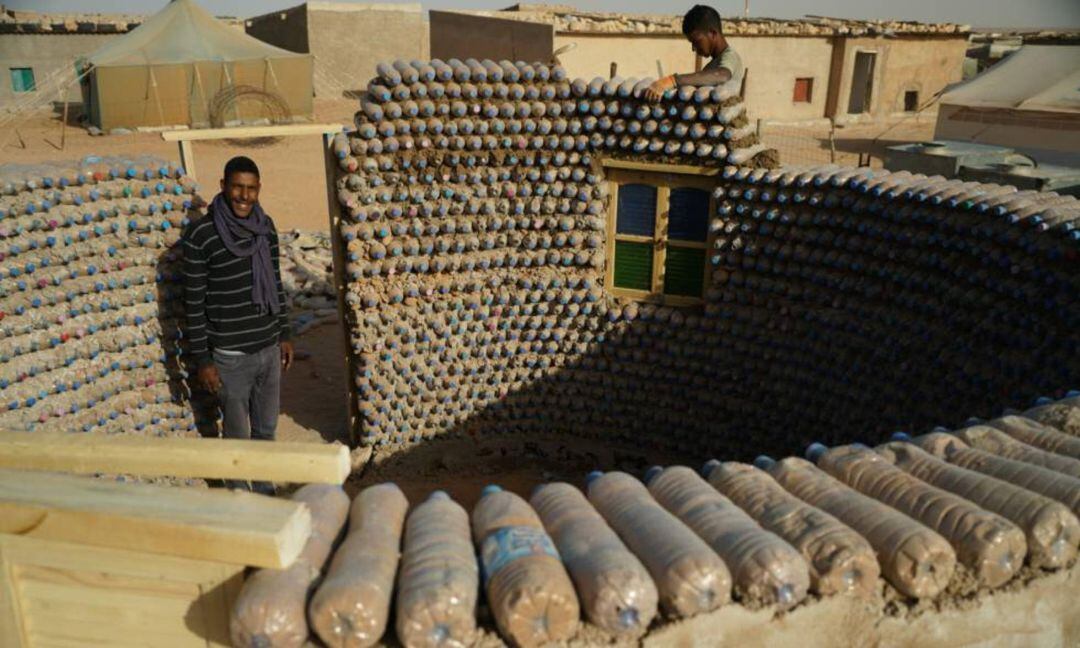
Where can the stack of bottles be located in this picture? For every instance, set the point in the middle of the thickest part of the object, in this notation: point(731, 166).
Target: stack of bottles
point(90, 296)
point(840, 300)
point(943, 516)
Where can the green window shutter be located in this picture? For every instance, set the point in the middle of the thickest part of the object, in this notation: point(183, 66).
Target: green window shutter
point(684, 271)
point(636, 213)
point(22, 79)
point(688, 214)
point(633, 265)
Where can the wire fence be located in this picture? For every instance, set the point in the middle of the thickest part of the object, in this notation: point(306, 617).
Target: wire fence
point(803, 144)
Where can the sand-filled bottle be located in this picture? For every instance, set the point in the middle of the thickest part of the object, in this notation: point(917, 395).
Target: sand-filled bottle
point(352, 604)
point(839, 559)
point(1052, 531)
point(990, 546)
point(528, 589)
point(616, 591)
point(271, 609)
point(765, 569)
point(1038, 435)
point(439, 580)
point(690, 578)
point(1044, 481)
point(994, 440)
point(914, 559)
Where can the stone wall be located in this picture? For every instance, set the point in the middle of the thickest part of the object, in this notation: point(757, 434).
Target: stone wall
point(842, 302)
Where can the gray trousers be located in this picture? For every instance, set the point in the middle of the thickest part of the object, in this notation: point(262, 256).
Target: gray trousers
point(250, 398)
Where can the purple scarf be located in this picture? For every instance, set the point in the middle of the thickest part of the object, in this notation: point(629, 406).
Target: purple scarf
point(249, 237)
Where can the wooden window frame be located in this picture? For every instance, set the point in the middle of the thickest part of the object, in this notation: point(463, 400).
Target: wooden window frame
point(664, 177)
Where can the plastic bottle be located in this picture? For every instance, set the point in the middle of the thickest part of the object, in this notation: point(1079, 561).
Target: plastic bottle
point(689, 576)
point(616, 591)
point(528, 589)
point(272, 605)
point(438, 582)
point(839, 559)
point(352, 604)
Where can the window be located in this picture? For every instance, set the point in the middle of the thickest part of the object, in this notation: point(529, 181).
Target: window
point(22, 80)
point(804, 90)
point(658, 231)
point(911, 101)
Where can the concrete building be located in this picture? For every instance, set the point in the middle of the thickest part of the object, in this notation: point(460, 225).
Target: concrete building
point(798, 70)
point(38, 47)
point(347, 39)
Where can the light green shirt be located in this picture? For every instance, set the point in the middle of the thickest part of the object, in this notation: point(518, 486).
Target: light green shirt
point(728, 59)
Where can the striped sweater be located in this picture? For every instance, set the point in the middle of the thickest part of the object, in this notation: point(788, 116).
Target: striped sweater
point(217, 295)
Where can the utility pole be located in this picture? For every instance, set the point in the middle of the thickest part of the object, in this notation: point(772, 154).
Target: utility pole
point(746, 9)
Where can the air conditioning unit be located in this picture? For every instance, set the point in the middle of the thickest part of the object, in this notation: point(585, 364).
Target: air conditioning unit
point(943, 157)
point(1046, 177)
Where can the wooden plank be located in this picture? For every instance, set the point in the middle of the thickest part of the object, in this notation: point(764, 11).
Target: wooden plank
point(609, 240)
point(232, 527)
point(663, 204)
point(187, 158)
point(246, 132)
point(341, 286)
point(653, 167)
point(634, 238)
point(278, 461)
point(75, 595)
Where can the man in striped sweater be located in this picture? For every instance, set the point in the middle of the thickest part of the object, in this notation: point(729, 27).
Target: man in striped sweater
point(237, 322)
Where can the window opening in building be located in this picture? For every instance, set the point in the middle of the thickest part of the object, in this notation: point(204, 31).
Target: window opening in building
point(22, 80)
point(804, 90)
point(658, 234)
point(911, 101)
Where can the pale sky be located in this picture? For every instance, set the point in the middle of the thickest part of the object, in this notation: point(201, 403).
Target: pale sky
point(979, 13)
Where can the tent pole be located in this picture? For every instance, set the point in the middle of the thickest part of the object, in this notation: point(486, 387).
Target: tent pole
point(157, 97)
point(202, 91)
point(228, 77)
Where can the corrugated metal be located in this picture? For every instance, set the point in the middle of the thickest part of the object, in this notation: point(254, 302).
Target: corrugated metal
point(684, 271)
point(688, 214)
point(636, 210)
point(633, 265)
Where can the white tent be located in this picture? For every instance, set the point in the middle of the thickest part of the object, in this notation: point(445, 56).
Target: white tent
point(182, 61)
point(1030, 102)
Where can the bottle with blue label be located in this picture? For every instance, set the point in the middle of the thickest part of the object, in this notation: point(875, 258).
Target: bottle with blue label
point(528, 589)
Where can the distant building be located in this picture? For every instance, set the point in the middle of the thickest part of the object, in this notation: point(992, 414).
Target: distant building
point(347, 39)
point(38, 47)
point(798, 70)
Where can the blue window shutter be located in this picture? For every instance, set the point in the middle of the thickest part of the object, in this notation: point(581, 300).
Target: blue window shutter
point(22, 79)
point(688, 214)
point(636, 213)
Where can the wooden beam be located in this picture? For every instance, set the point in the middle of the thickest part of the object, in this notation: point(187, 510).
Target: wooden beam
point(277, 461)
point(652, 167)
point(244, 132)
point(187, 158)
point(341, 285)
point(216, 525)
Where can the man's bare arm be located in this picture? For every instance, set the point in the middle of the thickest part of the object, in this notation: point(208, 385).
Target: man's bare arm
point(707, 77)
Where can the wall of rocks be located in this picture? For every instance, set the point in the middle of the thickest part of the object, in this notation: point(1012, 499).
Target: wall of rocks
point(843, 301)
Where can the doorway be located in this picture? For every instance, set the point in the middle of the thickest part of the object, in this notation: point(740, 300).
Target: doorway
point(862, 82)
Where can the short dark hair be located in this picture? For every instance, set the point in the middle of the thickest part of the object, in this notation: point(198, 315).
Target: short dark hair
point(241, 164)
point(701, 18)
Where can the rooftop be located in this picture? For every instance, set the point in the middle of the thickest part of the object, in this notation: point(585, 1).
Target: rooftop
point(13, 21)
point(567, 19)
